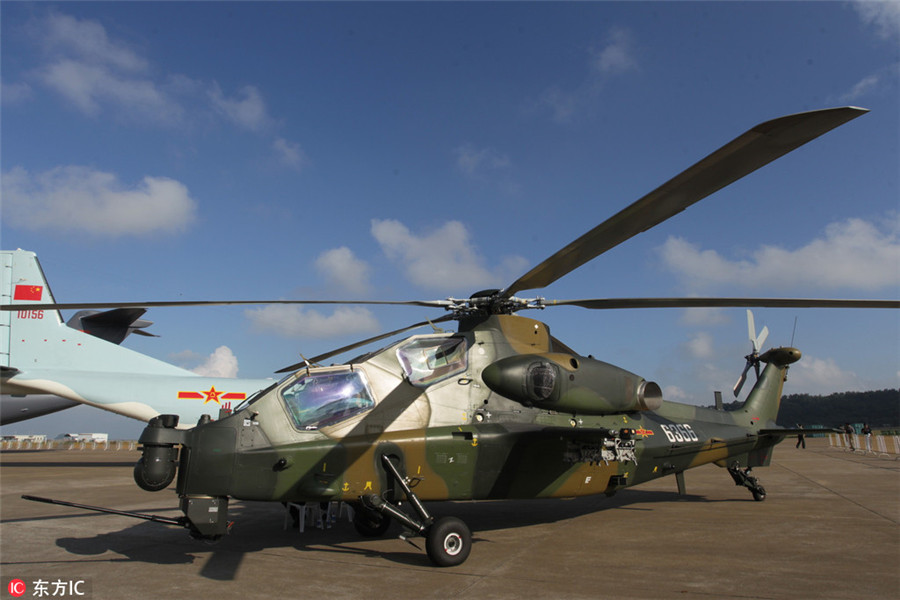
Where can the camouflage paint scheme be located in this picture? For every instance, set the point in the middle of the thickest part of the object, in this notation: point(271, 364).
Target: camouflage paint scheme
point(499, 409)
point(460, 440)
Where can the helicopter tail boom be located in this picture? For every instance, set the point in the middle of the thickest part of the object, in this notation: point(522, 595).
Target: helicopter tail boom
point(764, 399)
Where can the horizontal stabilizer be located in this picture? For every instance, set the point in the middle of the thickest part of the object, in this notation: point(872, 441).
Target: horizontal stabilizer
point(111, 325)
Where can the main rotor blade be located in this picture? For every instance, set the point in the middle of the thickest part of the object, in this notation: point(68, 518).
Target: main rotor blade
point(97, 305)
point(377, 338)
point(743, 155)
point(611, 303)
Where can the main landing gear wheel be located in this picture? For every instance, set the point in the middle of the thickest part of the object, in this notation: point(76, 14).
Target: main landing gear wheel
point(448, 542)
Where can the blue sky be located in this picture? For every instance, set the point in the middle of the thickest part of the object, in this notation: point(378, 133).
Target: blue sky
point(155, 151)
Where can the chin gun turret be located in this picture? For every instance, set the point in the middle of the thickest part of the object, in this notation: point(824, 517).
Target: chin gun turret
point(571, 384)
point(159, 453)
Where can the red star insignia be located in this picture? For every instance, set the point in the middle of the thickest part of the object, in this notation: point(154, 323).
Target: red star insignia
point(211, 395)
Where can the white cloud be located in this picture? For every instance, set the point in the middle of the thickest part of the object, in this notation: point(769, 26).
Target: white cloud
point(80, 199)
point(445, 259)
point(561, 104)
point(814, 375)
point(247, 110)
point(221, 363)
point(291, 321)
point(87, 40)
point(82, 64)
point(614, 57)
point(475, 162)
point(289, 153)
point(673, 393)
point(700, 345)
point(341, 267)
point(98, 75)
point(850, 254)
point(875, 84)
point(91, 86)
point(862, 88)
point(884, 16)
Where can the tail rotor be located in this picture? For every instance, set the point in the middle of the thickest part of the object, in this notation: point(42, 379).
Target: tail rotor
point(756, 342)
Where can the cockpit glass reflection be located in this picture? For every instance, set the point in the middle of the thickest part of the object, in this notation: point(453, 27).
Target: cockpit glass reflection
point(322, 399)
point(429, 360)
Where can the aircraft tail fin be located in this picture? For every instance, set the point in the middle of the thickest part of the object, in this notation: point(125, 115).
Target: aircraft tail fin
point(764, 399)
point(40, 339)
point(22, 282)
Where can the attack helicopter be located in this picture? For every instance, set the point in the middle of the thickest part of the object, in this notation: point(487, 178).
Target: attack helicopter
point(498, 409)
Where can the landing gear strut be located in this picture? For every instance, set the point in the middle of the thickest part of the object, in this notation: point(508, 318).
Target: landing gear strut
point(744, 478)
point(448, 540)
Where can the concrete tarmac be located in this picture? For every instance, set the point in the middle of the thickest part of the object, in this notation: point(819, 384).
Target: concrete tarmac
point(830, 528)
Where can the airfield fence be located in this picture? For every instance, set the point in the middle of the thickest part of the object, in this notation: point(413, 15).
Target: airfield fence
point(68, 445)
point(884, 446)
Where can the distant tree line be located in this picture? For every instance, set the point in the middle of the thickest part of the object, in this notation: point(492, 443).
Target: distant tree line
point(879, 408)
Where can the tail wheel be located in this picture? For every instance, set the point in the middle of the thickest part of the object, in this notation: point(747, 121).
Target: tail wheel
point(448, 542)
point(759, 493)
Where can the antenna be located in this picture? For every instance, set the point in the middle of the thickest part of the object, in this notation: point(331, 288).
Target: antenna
point(794, 331)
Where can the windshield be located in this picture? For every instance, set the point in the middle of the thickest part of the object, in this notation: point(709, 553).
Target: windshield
point(429, 360)
point(321, 399)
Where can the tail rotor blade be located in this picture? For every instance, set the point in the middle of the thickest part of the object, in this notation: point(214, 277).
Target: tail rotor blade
point(740, 382)
point(761, 338)
point(751, 328)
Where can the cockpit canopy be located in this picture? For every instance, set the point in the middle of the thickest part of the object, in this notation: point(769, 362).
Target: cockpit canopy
point(428, 360)
point(320, 399)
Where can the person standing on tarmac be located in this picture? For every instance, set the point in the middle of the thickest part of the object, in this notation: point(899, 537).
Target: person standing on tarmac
point(849, 431)
point(867, 431)
point(801, 438)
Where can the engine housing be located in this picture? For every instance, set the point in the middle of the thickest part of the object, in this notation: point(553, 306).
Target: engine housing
point(571, 384)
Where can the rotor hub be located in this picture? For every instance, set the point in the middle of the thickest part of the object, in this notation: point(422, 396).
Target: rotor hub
point(491, 302)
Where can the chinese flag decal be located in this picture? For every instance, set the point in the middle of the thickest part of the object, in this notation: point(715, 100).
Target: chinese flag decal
point(31, 293)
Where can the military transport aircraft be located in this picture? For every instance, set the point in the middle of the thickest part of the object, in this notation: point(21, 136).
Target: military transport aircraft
point(112, 325)
point(46, 363)
point(498, 409)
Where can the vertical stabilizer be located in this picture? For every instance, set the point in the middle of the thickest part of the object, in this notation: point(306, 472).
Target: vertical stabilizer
point(40, 339)
point(42, 355)
point(764, 399)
